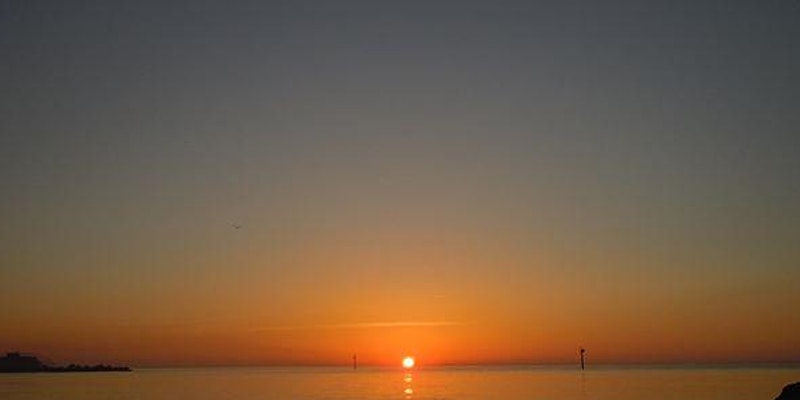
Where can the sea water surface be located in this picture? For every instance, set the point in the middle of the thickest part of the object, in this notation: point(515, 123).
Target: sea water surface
point(510, 383)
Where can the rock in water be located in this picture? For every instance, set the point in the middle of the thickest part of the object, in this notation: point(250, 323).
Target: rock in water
point(790, 392)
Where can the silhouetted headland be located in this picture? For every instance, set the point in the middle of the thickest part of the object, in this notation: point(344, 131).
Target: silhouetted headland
point(16, 362)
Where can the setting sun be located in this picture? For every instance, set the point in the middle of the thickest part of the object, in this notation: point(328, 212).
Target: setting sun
point(408, 362)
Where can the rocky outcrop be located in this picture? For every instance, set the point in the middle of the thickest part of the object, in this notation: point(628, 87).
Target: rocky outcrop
point(790, 392)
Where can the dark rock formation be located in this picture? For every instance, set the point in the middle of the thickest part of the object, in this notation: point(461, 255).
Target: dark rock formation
point(790, 392)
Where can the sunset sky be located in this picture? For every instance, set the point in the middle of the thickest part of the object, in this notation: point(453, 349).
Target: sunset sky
point(291, 182)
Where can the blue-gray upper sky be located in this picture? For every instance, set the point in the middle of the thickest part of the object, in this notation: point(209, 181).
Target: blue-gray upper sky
point(616, 137)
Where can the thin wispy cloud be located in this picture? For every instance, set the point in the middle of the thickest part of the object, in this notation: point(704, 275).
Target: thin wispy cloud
point(362, 325)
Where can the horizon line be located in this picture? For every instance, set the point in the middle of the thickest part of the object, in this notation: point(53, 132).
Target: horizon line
point(533, 364)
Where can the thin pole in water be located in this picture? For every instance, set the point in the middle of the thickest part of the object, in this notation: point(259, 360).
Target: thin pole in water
point(355, 362)
point(583, 364)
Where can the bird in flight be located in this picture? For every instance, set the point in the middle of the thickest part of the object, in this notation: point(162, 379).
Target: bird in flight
point(236, 226)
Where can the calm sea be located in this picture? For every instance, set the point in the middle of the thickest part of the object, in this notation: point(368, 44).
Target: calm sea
point(510, 383)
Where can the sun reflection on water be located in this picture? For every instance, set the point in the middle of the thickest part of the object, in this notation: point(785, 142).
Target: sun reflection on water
point(408, 391)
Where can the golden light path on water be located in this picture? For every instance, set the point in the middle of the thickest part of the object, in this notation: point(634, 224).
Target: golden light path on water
point(408, 391)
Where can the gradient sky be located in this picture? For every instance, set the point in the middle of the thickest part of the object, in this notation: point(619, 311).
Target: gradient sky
point(463, 181)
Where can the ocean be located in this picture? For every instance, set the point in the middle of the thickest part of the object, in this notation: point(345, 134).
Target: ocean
point(332, 383)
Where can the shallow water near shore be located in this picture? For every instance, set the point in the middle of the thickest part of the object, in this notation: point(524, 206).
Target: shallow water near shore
point(312, 383)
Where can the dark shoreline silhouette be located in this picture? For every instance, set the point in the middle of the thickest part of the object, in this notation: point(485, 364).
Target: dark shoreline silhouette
point(16, 362)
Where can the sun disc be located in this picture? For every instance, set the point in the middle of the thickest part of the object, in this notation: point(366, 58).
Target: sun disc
point(408, 362)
